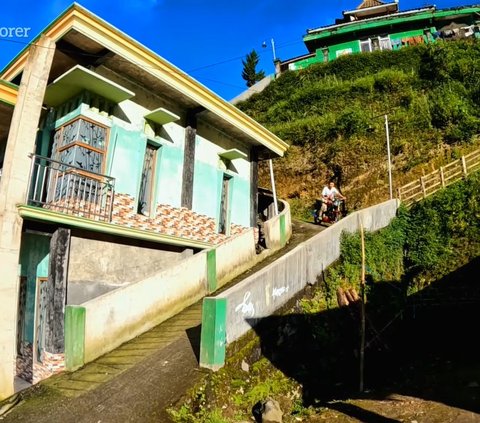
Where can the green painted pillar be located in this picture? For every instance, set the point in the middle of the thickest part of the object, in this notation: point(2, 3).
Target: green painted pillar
point(212, 270)
point(283, 231)
point(213, 334)
point(74, 337)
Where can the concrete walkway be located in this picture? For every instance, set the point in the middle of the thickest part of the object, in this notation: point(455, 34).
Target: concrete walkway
point(137, 381)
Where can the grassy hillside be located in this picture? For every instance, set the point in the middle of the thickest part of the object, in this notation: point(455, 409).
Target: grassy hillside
point(332, 115)
point(422, 293)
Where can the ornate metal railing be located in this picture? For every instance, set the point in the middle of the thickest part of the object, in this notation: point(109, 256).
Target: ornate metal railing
point(72, 190)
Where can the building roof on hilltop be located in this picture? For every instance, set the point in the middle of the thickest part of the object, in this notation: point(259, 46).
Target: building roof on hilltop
point(370, 3)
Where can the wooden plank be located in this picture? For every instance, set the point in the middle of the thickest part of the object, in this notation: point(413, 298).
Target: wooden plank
point(473, 166)
point(452, 164)
point(442, 176)
point(414, 188)
point(433, 186)
point(472, 159)
point(474, 153)
point(423, 186)
point(410, 183)
point(464, 166)
point(432, 181)
point(417, 195)
point(457, 175)
point(57, 289)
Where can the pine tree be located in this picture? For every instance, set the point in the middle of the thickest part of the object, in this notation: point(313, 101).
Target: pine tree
point(249, 72)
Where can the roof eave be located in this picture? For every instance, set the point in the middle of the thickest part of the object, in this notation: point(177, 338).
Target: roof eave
point(78, 18)
point(8, 92)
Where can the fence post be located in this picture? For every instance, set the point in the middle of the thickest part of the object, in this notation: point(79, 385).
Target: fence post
point(399, 194)
point(464, 166)
point(422, 181)
point(442, 176)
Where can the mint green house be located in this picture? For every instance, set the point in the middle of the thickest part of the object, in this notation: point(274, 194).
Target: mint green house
point(120, 177)
point(376, 25)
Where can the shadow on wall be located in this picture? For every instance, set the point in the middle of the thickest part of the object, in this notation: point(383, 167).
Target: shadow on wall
point(423, 346)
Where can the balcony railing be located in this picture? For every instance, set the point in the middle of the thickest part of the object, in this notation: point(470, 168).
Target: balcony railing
point(69, 189)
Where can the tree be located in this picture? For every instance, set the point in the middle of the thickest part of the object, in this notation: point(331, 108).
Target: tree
point(249, 72)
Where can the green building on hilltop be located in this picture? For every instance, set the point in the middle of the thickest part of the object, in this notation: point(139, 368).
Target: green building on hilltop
point(376, 25)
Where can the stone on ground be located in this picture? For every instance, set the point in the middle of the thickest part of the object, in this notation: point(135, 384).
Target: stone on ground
point(271, 412)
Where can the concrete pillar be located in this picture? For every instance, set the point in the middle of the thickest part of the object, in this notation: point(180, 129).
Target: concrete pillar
point(13, 190)
point(253, 186)
point(57, 290)
point(213, 335)
point(189, 160)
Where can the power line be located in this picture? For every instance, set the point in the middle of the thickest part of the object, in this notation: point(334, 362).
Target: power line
point(220, 62)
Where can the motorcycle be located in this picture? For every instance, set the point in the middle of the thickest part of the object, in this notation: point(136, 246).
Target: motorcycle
point(335, 211)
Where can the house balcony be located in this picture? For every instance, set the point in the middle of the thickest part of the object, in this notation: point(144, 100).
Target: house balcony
point(71, 195)
point(71, 190)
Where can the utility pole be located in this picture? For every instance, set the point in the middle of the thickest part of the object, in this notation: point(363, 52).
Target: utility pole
point(389, 156)
point(272, 180)
point(362, 311)
point(387, 132)
point(264, 45)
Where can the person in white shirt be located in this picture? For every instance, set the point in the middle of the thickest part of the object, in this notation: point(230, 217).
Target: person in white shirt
point(329, 195)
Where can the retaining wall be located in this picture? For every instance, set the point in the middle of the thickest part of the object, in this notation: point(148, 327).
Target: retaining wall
point(101, 324)
point(278, 229)
point(232, 313)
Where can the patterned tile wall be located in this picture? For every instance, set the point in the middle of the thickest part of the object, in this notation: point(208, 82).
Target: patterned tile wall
point(180, 222)
point(34, 372)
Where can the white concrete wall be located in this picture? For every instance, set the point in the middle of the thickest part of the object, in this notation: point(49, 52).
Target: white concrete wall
point(96, 267)
point(235, 256)
point(264, 292)
point(272, 227)
point(257, 88)
point(120, 315)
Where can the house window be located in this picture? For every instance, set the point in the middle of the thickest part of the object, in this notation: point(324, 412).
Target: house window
point(146, 197)
point(365, 46)
point(224, 205)
point(385, 43)
point(325, 55)
point(81, 143)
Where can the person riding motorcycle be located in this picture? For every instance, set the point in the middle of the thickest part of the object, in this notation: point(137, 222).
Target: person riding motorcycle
point(331, 199)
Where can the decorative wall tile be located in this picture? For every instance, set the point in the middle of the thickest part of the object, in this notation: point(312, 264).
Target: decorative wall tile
point(32, 371)
point(180, 222)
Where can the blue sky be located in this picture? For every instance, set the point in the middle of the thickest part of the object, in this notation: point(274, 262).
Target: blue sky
point(205, 38)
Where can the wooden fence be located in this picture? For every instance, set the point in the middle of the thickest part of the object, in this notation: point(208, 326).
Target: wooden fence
point(432, 182)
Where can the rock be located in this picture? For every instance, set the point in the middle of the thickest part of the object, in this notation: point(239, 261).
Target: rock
point(271, 412)
point(354, 294)
point(245, 366)
point(341, 298)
